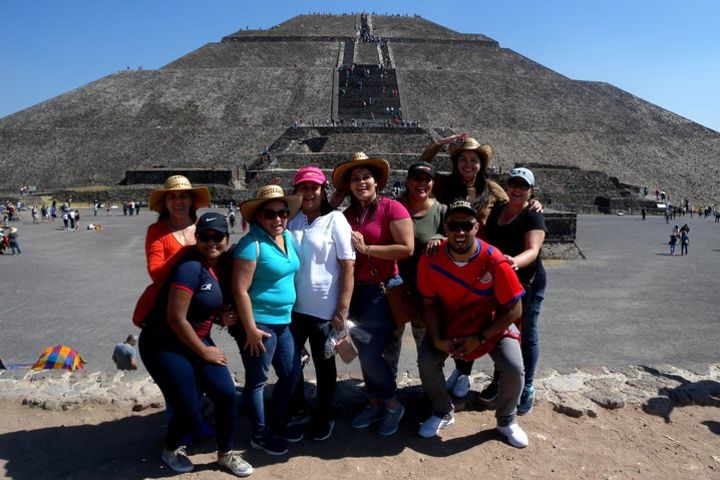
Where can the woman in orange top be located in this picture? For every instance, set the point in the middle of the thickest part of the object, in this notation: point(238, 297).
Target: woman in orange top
point(165, 242)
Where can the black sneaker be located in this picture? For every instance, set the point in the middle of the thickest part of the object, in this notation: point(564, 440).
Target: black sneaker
point(269, 444)
point(301, 417)
point(291, 434)
point(322, 429)
point(490, 392)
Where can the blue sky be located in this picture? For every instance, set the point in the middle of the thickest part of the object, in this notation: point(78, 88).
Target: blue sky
point(666, 52)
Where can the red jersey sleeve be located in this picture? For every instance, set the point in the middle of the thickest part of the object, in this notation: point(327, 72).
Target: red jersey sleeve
point(507, 288)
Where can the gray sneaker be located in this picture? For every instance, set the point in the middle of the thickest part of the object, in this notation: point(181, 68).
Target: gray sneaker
point(391, 420)
point(370, 414)
point(177, 460)
point(235, 463)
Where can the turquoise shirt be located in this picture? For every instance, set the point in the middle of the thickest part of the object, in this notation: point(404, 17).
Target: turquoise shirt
point(272, 292)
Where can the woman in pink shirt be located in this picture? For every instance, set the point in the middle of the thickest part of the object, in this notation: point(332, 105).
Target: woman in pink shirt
point(382, 234)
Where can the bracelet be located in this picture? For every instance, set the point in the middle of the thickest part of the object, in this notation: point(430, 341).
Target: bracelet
point(367, 251)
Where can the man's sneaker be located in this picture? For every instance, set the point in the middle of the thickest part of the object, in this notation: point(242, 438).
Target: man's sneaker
point(462, 386)
point(391, 420)
point(515, 435)
point(322, 429)
point(452, 380)
point(301, 417)
point(235, 463)
point(269, 444)
point(291, 434)
point(490, 392)
point(526, 400)
point(370, 414)
point(177, 460)
point(432, 426)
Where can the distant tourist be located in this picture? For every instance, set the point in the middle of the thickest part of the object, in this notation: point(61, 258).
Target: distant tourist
point(124, 354)
point(684, 239)
point(12, 235)
point(674, 239)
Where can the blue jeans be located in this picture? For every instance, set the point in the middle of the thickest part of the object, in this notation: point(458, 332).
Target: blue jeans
point(530, 344)
point(280, 352)
point(370, 311)
point(180, 374)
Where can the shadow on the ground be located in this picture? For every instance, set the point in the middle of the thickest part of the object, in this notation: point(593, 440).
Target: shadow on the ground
point(129, 447)
point(713, 426)
point(705, 393)
point(88, 452)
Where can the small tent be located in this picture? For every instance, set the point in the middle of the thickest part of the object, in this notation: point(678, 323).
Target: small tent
point(57, 357)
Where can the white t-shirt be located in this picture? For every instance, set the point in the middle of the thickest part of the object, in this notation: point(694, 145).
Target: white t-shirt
point(320, 247)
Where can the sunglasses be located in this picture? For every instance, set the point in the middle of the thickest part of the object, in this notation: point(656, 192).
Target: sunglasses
point(457, 226)
point(216, 237)
point(269, 214)
point(519, 185)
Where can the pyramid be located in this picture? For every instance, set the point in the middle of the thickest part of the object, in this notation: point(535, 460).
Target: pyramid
point(221, 105)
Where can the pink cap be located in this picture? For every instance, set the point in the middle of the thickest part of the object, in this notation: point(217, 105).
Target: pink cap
point(310, 174)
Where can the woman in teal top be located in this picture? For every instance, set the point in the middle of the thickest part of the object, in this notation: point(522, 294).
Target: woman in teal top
point(263, 285)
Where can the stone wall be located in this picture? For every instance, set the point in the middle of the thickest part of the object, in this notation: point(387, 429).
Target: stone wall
point(196, 176)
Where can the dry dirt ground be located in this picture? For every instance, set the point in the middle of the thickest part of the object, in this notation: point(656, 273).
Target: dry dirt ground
point(115, 443)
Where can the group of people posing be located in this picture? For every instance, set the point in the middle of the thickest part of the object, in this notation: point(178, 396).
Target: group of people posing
point(463, 250)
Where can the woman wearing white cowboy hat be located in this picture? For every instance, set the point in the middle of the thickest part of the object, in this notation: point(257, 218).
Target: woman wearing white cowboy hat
point(177, 203)
point(264, 291)
point(382, 234)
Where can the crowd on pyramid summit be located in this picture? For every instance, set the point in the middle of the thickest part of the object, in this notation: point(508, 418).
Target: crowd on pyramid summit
point(456, 256)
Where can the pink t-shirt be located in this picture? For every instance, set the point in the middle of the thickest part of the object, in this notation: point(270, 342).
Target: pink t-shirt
point(374, 224)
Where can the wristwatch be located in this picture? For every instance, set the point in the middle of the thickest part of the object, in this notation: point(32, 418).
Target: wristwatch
point(481, 338)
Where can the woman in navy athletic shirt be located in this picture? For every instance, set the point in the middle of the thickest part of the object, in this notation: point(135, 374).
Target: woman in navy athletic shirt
point(177, 350)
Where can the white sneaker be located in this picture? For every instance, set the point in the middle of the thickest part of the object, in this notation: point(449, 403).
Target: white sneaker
point(235, 463)
point(462, 386)
point(432, 426)
point(515, 435)
point(452, 380)
point(177, 460)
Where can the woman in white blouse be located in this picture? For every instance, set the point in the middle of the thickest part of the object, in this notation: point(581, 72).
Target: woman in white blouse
point(324, 286)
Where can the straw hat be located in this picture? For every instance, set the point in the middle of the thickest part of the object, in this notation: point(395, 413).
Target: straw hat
point(484, 152)
point(177, 183)
point(13, 230)
point(378, 165)
point(266, 194)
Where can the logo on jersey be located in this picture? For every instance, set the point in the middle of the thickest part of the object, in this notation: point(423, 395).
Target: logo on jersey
point(487, 278)
point(206, 287)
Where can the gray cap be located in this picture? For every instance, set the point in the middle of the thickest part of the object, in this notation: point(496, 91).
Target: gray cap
point(523, 173)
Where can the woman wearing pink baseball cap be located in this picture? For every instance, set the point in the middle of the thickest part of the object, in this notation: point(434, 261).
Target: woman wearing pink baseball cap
point(324, 285)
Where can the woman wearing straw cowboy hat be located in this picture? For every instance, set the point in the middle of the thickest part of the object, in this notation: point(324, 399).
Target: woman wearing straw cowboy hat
point(263, 286)
point(469, 180)
point(177, 203)
point(382, 234)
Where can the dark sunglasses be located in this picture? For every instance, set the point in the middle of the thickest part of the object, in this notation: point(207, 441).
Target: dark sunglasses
point(519, 185)
point(216, 237)
point(269, 214)
point(457, 226)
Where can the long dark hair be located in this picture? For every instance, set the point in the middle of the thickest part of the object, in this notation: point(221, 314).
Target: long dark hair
point(354, 202)
point(454, 187)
